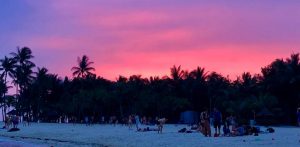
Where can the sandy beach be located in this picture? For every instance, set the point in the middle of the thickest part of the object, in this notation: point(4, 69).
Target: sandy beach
point(47, 134)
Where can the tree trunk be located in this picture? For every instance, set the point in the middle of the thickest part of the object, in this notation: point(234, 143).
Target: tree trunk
point(2, 115)
point(121, 111)
point(4, 102)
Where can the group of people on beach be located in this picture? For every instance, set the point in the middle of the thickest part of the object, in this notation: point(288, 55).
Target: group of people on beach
point(11, 121)
point(159, 122)
point(230, 126)
point(131, 120)
point(204, 125)
point(142, 124)
point(226, 126)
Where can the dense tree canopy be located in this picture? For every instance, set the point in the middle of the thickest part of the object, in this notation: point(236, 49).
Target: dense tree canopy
point(45, 96)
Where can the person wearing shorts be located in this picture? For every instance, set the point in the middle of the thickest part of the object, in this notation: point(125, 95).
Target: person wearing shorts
point(217, 117)
point(161, 121)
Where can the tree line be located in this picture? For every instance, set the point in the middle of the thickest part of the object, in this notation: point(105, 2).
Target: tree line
point(274, 93)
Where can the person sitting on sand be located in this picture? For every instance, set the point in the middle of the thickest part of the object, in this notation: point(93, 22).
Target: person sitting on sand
point(194, 127)
point(161, 121)
point(238, 131)
point(226, 129)
point(184, 130)
point(147, 129)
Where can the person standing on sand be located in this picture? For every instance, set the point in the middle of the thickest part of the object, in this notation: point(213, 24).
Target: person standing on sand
point(217, 117)
point(161, 121)
point(7, 122)
point(26, 120)
point(205, 125)
point(73, 120)
point(137, 122)
point(231, 122)
point(103, 120)
point(15, 121)
point(130, 122)
point(86, 119)
point(298, 116)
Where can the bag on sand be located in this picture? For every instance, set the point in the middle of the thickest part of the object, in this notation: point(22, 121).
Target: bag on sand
point(270, 130)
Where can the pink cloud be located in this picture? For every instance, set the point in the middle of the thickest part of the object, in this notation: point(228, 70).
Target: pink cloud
point(148, 37)
point(228, 61)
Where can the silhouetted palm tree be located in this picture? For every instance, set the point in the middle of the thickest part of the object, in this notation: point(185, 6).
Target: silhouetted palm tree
point(24, 67)
point(23, 56)
point(122, 79)
point(41, 73)
point(294, 60)
point(7, 65)
point(217, 88)
point(3, 88)
point(23, 73)
point(84, 67)
point(3, 91)
point(177, 73)
point(294, 67)
point(199, 74)
point(41, 90)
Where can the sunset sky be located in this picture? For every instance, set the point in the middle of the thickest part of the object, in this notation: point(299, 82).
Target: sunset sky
point(147, 37)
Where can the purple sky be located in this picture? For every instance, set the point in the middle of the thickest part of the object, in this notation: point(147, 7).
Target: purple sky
point(125, 37)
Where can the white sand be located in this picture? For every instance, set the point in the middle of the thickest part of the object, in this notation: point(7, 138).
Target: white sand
point(46, 134)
